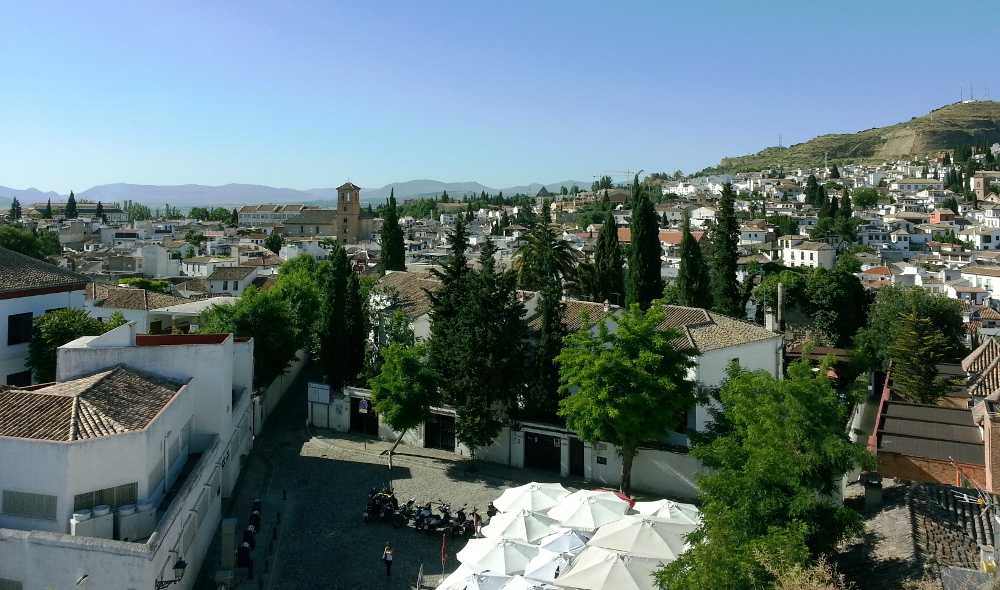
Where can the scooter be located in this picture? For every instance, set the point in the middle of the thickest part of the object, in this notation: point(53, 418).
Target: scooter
point(403, 514)
point(432, 523)
point(462, 526)
point(381, 504)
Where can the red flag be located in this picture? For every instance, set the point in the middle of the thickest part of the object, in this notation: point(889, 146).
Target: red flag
point(444, 554)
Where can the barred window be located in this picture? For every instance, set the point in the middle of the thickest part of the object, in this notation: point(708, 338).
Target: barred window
point(114, 497)
point(29, 505)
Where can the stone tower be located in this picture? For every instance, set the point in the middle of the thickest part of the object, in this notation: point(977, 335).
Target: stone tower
point(348, 212)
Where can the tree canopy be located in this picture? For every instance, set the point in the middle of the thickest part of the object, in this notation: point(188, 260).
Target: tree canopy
point(406, 388)
point(609, 265)
point(725, 254)
point(274, 242)
point(52, 330)
point(693, 279)
point(626, 386)
point(915, 353)
point(40, 245)
point(644, 281)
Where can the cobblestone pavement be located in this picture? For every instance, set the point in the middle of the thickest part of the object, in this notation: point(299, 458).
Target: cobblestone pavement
point(318, 480)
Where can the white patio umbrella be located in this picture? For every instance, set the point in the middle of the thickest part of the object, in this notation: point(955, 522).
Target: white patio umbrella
point(522, 583)
point(547, 565)
point(565, 541)
point(475, 581)
point(506, 556)
point(463, 571)
point(531, 496)
point(589, 509)
point(650, 536)
point(599, 569)
point(524, 524)
point(676, 511)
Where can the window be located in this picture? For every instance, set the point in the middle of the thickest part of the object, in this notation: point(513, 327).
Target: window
point(236, 285)
point(225, 285)
point(21, 379)
point(18, 328)
point(114, 497)
point(29, 505)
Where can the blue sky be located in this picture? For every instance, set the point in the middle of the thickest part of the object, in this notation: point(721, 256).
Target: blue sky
point(308, 94)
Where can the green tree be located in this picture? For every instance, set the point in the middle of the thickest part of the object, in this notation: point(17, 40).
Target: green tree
point(644, 283)
point(70, 211)
point(693, 280)
point(340, 332)
point(274, 242)
point(603, 184)
point(30, 243)
point(866, 198)
point(190, 252)
point(393, 246)
point(234, 218)
point(544, 258)
point(609, 264)
point(52, 330)
point(615, 380)
point(405, 388)
point(99, 211)
point(725, 254)
point(298, 285)
point(147, 284)
point(915, 353)
point(777, 451)
point(15, 210)
point(47, 213)
point(269, 320)
point(835, 172)
point(835, 301)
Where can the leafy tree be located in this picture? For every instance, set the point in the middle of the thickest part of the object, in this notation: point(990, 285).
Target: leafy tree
point(693, 280)
point(644, 283)
point(405, 389)
point(274, 242)
point(777, 449)
point(269, 320)
point(846, 206)
point(891, 303)
point(544, 259)
point(616, 378)
point(70, 212)
point(946, 161)
point(298, 285)
point(340, 331)
point(195, 238)
point(47, 213)
point(835, 172)
point(393, 247)
point(812, 191)
point(609, 264)
point(234, 218)
point(40, 245)
point(603, 184)
point(199, 213)
point(866, 198)
point(190, 252)
point(99, 211)
point(915, 353)
point(725, 244)
point(147, 284)
point(835, 301)
point(15, 210)
point(52, 330)
point(950, 203)
point(543, 403)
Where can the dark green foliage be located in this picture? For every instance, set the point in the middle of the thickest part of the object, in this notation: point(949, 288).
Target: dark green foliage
point(603, 184)
point(891, 303)
point(99, 211)
point(297, 284)
point(834, 299)
point(274, 242)
point(725, 253)
point(393, 246)
point(915, 353)
point(40, 245)
point(950, 203)
point(15, 210)
point(693, 279)
point(776, 449)
point(866, 198)
point(340, 329)
point(609, 264)
point(405, 388)
point(47, 213)
point(644, 283)
point(147, 284)
point(52, 330)
point(544, 259)
point(70, 212)
point(234, 217)
point(614, 380)
point(835, 172)
point(543, 401)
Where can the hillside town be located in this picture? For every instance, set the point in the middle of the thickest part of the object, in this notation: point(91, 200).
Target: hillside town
point(128, 424)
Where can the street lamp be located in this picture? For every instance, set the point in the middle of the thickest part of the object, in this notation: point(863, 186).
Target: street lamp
point(179, 568)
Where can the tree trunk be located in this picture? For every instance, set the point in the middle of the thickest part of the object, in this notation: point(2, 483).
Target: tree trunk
point(627, 456)
point(399, 439)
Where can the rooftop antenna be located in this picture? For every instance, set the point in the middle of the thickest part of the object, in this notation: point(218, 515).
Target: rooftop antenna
point(961, 91)
point(779, 141)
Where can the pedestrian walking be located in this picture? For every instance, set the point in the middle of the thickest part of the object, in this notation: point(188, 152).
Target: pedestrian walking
point(387, 555)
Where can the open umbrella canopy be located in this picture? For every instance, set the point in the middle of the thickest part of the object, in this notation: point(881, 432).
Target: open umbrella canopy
point(547, 565)
point(649, 536)
point(474, 581)
point(538, 497)
point(565, 541)
point(676, 511)
point(521, 583)
point(507, 556)
point(524, 525)
point(599, 569)
point(589, 509)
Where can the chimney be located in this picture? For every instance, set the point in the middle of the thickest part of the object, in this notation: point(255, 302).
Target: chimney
point(781, 307)
point(607, 306)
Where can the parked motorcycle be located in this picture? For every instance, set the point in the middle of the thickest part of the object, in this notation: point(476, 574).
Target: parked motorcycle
point(421, 514)
point(381, 504)
point(462, 526)
point(436, 522)
point(404, 514)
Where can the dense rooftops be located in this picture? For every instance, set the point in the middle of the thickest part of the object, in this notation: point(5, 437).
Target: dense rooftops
point(24, 273)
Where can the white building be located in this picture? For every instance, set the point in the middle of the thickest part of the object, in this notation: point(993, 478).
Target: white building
point(89, 460)
point(30, 288)
point(798, 251)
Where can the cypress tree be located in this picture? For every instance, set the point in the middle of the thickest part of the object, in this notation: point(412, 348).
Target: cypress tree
point(835, 173)
point(71, 206)
point(725, 241)
point(47, 214)
point(15, 210)
point(693, 280)
point(846, 208)
point(644, 282)
point(609, 264)
point(99, 211)
point(393, 248)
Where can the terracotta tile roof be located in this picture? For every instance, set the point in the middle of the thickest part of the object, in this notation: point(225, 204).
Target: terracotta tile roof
point(263, 261)
point(706, 330)
point(110, 402)
point(409, 290)
point(573, 317)
point(982, 356)
point(21, 273)
point(114, 297)
point(348, 186)
point(988, 313)
point(230, 273)
point(194, 286)
point(313, 217)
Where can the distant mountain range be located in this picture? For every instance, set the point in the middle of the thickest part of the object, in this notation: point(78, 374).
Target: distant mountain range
point(946, 128)
point(190, 195)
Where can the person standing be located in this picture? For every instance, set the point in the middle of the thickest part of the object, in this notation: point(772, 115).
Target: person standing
point(387, 555)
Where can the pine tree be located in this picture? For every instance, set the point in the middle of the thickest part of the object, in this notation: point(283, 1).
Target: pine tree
point(99, 211)
point(644, 281)
point(846, 208)
point(812, 191)
point(609, 264)
point(340, 317)
point(834, 206)
point(47, 214)
point(393, 248)
point(835, 173)
point(15, 210)
point(725, 241)
point(693, 279)
point(71, 206)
